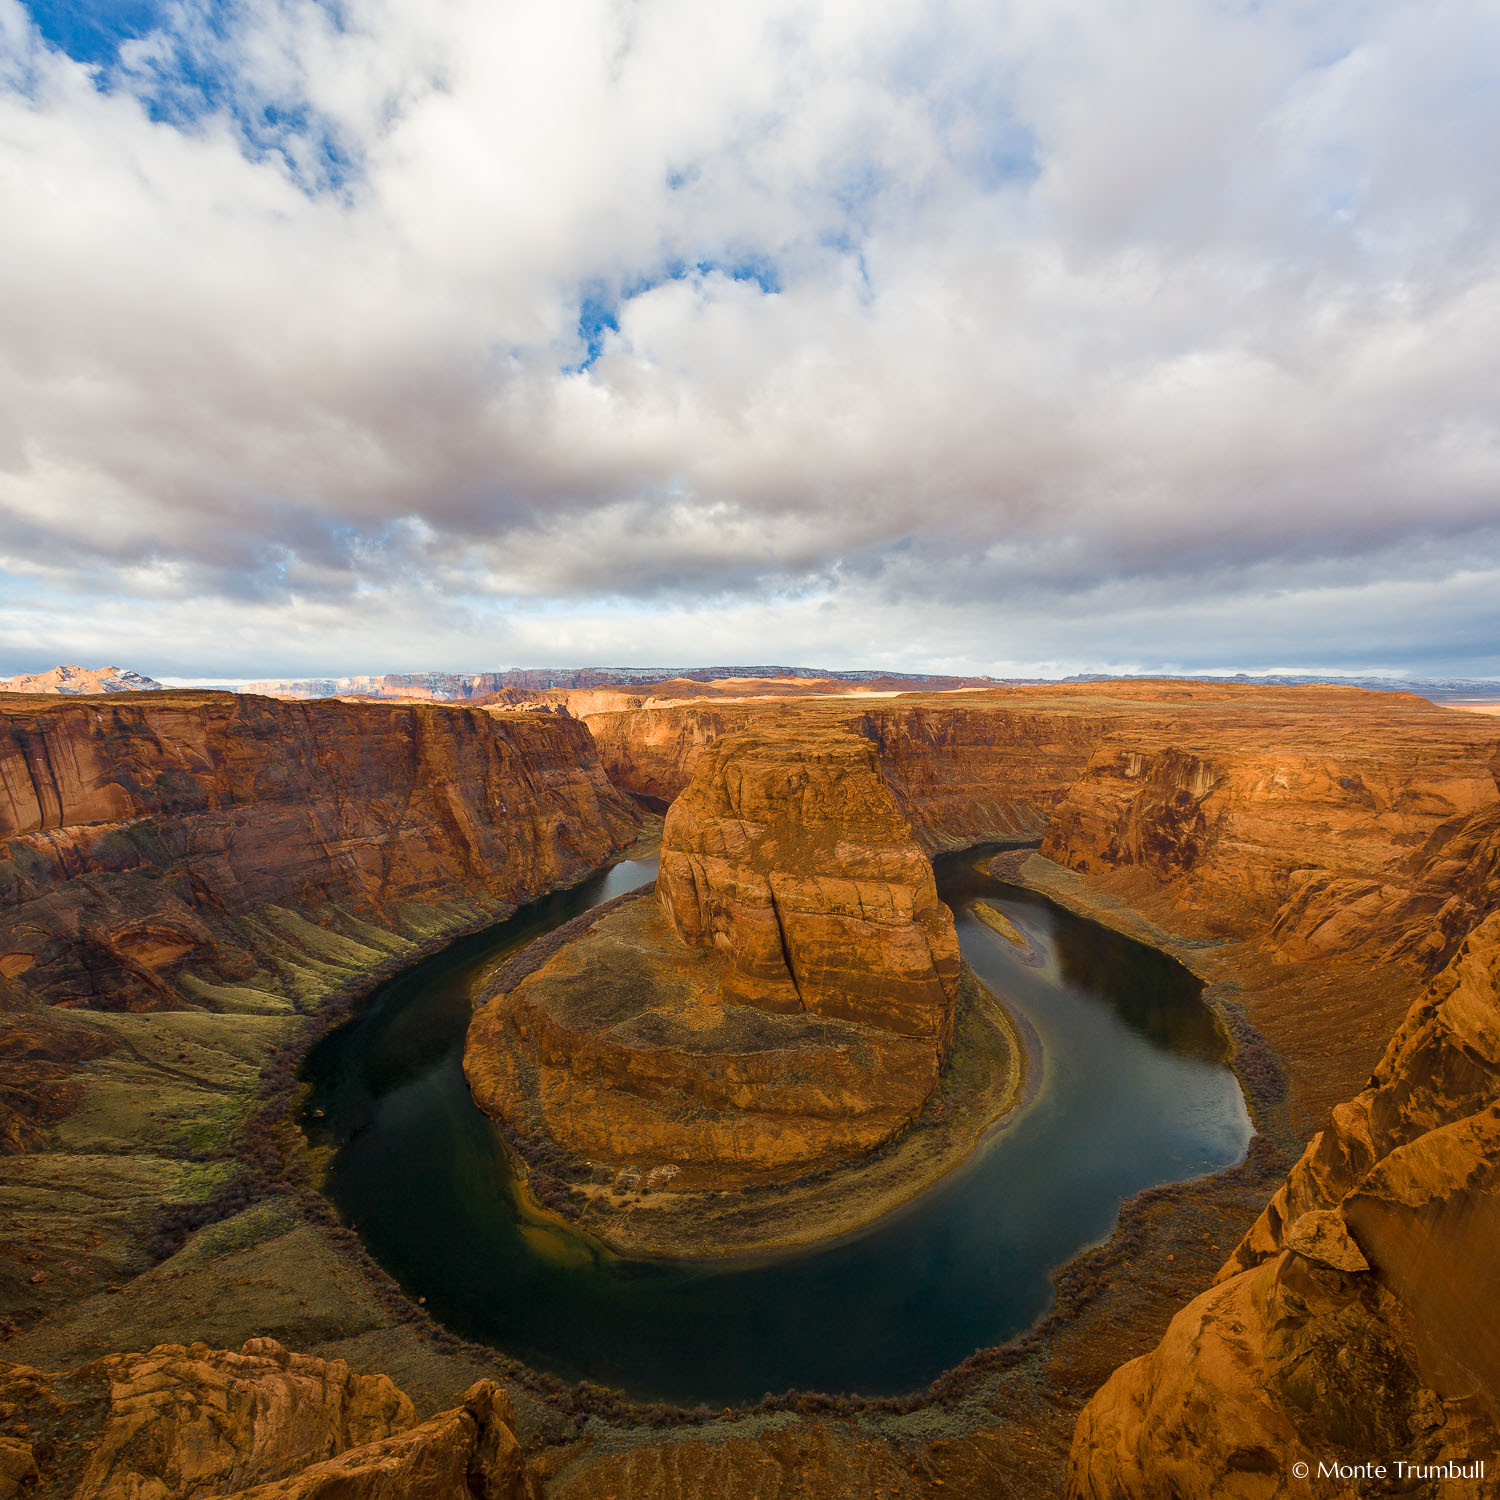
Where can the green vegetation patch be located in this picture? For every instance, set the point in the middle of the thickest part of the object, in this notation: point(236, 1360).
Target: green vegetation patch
point(176, 1082)
point(241, 1231)
point(234, 999)
point(997, 921)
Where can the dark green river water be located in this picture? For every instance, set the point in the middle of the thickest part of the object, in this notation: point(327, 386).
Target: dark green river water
point(1134, 1091)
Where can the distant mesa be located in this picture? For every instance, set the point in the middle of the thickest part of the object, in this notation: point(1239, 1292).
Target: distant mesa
point(510, 688)
point(80, 681)
point(583, 690)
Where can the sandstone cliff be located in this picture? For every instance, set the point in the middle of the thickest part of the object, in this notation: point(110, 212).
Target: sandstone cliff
point(790, 857)
point(1290, 826)
point(624, 1051)
point(1355, 1321)
point(1328, 827)
point(1322, 852)
point(183, 876)
point(140, 835)
point(193, 1422)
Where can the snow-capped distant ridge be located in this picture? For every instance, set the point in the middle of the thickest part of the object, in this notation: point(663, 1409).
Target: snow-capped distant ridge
point(81, 681)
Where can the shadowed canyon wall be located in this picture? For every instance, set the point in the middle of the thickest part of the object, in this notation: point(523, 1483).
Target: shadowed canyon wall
point(228, 864)
point(141, 834)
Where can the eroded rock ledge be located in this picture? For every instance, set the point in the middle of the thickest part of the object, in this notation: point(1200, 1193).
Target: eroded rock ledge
point(258, 1423)
point(786, 1004)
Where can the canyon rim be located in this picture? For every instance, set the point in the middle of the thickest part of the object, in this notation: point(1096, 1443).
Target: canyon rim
point(200, 885)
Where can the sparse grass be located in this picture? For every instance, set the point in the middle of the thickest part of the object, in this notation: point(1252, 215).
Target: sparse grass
point(217, 1129)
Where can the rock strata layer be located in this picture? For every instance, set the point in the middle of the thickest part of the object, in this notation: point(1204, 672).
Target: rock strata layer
point(183, 876)
point(787, 1001)
point(138, 836)
point(1322, 853)
point(1332, 827)
point(791, 859)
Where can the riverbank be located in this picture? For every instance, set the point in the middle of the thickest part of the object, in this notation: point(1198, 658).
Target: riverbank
point(1133, 1091)
point(1278, 1016)
point(178, 1202)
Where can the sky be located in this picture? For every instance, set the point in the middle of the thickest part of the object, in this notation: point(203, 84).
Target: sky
point(1022, 337)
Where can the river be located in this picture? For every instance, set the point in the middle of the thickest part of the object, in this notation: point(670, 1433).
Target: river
point(1134, 1090)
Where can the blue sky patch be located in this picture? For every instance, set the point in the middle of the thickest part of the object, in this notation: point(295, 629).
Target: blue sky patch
point(90, 31)
point(189, 80)
point(599, 309)
point(598, 316)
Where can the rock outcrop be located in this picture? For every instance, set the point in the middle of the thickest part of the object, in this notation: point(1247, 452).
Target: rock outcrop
point(786, 1002)
point(1319, 815)
point(1334, 828)
point(139, 836)
point(791, 859)
point(1355, 1321)
point(75, 681)
point(189, 1422)
point(172, 897)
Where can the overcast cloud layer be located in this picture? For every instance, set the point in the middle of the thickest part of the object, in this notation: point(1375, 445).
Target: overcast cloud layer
point(977, 335)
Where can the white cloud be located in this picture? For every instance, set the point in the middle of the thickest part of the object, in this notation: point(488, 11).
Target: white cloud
point(962, 320)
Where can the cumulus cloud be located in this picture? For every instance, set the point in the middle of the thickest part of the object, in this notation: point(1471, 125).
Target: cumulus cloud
point(399, 334)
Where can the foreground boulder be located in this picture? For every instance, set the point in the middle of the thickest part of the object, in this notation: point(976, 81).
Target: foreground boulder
point(187, 1423)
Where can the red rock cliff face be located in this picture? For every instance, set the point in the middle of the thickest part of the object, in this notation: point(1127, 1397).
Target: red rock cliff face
point(974, 774)
point(791, 858)
point(228, 864)
point(654, 751)
point(1337, 835)
point(1323, 841)
point(962, 772)
point(786, 1002)
point(137, 833)
point(193, 1422)
point(1356, 1320)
